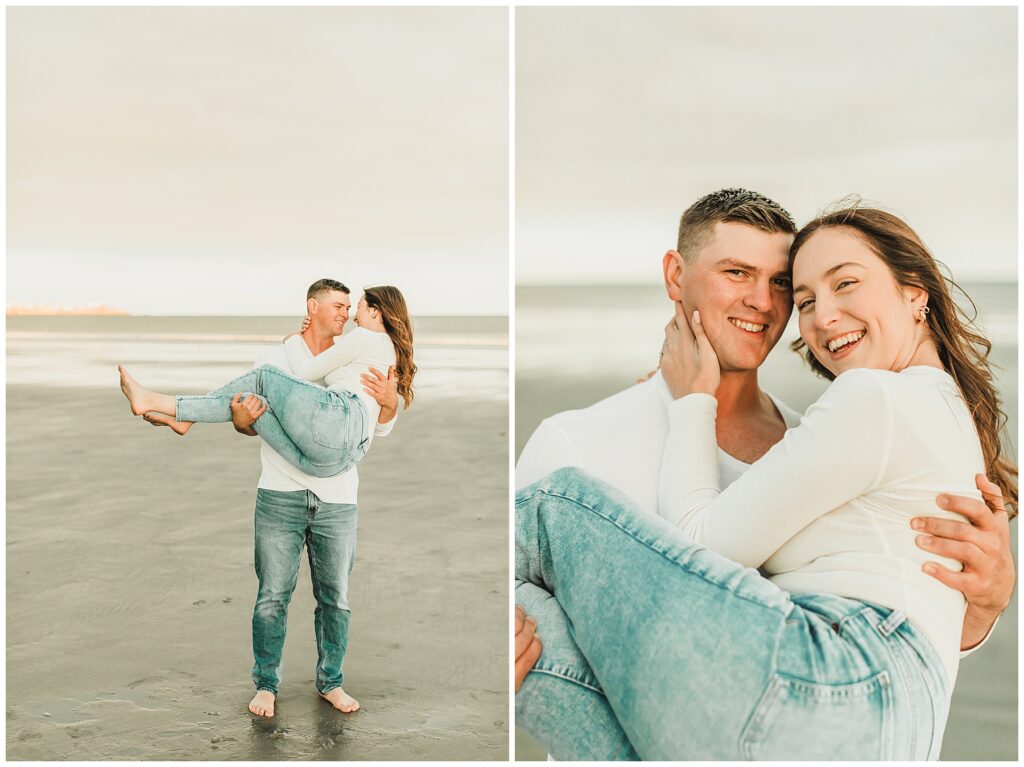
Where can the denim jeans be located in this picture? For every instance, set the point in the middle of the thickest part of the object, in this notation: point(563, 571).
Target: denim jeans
point(320, 431)
point(284, 522)
point(656, 648)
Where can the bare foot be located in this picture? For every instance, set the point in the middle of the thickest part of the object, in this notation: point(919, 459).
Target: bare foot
point(262, 703)
point(159, 419)
point(341, 700)
point(137, 394)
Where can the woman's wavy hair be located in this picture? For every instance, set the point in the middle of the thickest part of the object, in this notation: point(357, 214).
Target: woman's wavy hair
point(388, 300)
point(962, 348)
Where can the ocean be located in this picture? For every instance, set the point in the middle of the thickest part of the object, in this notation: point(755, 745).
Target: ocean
point(456, 356)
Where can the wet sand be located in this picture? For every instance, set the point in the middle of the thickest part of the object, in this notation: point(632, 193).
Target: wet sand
point(130, 588)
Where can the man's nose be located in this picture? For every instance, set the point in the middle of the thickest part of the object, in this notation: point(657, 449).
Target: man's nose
point(760, 296)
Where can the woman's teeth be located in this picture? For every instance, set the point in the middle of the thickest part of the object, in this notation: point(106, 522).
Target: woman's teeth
point(838, 343)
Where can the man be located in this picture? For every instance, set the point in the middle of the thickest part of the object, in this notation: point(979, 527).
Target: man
point(731, 263)
point(295, 509)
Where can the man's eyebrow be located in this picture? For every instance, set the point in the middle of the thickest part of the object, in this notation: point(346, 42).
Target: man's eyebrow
point(829, 272)
point(738, 264)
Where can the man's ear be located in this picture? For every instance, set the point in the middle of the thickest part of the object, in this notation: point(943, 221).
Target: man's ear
point(311, 306)
point(672, 267)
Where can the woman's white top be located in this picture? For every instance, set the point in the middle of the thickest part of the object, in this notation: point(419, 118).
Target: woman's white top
point(828, 508)
point(340, 366)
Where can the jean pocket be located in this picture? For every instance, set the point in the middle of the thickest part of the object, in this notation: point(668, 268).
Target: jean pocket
point(798, 720)
point(329, 426)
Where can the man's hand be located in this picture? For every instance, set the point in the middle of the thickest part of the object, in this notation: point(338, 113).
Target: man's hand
point(528, 645)
point(244, 412)
point(688, 361)
point(983, 545)
point(384, 389)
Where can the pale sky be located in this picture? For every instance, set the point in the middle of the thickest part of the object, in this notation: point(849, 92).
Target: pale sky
point(625, 116)
point(218, 160)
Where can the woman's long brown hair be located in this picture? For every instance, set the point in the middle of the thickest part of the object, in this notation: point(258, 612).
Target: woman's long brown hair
point(962, 349)
point(388, 300)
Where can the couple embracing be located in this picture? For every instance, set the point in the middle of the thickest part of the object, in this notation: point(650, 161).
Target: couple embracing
point(877, 521)
point(313, 437)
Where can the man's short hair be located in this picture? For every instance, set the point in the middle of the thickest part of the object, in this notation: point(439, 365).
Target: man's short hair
point(320, 287)
point(740, 205)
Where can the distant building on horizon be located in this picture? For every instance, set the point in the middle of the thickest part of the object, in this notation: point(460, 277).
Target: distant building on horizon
point(50, 310)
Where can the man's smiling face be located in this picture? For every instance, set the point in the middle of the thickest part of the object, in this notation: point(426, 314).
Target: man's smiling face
point(740, 285)
point(328, 312)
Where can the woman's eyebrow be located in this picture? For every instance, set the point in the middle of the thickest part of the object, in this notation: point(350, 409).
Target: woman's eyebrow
point(829, 272)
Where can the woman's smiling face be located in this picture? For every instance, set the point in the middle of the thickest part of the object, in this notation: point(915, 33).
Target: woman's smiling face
point(852, 312)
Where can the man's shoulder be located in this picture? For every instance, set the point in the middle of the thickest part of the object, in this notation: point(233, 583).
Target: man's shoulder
point(636, 399)
point(273, 355)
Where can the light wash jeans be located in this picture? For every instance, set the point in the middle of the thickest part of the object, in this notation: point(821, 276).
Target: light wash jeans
point(655, 648)
point(320, 431)
point(285, 521)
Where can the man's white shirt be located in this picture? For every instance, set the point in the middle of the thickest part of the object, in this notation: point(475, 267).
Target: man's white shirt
point(619, 440)
point(280, 475)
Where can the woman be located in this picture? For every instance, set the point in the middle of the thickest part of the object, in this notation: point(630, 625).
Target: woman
point(850, 651)
point(323, 432)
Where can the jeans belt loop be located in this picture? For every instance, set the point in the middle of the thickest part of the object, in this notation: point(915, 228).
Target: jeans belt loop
point(890, 624)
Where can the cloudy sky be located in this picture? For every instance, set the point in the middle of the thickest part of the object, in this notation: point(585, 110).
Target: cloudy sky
point(626, 116)
point(218, 160)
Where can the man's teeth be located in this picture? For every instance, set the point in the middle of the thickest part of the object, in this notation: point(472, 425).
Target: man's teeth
point(749, 326)
point(838, 343)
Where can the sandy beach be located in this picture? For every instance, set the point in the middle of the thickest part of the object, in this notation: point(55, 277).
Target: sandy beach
point(130, 588)
point(608, 337)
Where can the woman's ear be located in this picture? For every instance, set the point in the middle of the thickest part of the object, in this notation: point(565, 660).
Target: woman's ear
point(672, 267)
point(918, 297)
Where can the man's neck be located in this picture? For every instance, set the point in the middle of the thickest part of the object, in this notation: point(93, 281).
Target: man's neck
point(739, 396)
point(317, 342)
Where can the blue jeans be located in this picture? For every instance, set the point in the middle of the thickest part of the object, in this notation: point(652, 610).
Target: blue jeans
point(656, 648)
point(284, 523)
point(320, 431)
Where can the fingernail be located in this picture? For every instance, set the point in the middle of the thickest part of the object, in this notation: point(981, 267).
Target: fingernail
point(696, 317)
point(924, 540)
point(917, 524)
point(929, 568)
point(942, 500)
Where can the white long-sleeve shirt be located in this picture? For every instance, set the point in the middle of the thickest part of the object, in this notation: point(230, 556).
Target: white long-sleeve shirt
point(341, 365)
point(278, 474)
point(827, 509)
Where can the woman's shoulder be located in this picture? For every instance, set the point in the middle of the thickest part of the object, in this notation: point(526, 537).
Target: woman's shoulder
point(872, 389)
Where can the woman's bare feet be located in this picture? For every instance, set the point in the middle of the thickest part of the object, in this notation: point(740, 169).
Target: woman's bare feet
point(159, 419)
point(138, 395)
point(341, 700)
point(262, 703)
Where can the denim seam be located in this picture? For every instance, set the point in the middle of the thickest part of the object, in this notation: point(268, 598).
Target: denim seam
point(658, 551)
point(900, 661)
point(567, 677)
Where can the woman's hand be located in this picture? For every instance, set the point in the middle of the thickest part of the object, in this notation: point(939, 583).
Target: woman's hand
point(305, 324)
point(689, 364)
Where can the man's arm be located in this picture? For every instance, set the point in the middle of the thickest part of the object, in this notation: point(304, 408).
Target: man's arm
point(244, 413)
point(983, 545)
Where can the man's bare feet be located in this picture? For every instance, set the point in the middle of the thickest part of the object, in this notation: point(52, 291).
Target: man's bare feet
point(341, 700)
point(262, 703)
point(159, 419)
point(135, 392)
